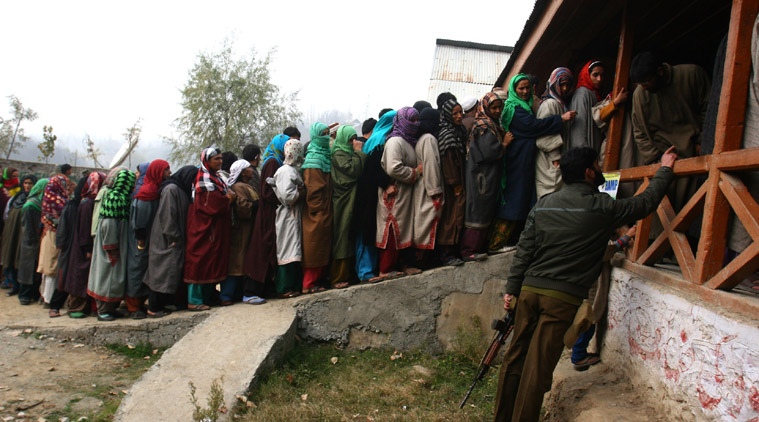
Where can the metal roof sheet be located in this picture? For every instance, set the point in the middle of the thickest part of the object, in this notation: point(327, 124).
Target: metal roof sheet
point(455, 68)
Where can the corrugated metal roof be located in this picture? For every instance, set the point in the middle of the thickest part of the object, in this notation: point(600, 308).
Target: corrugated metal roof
point(455, 68)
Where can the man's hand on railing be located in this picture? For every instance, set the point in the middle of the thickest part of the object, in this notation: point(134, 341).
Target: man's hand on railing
point(669, 157)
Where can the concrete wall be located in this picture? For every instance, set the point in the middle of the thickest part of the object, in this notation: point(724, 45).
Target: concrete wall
point(699, 363)
point(411, 312)
point(41, 169)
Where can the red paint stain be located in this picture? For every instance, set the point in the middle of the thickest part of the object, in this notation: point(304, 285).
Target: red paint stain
point(739, 383)
point(728, 338)
point(672, 374)
point(636, 349)
point(719, 378)
point(683, 336)
point(753, 398)
point(753, 420)
point(707, 402)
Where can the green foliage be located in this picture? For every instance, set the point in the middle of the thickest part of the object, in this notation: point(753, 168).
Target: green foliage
point(468, 341)
point(47, 147)
point(215, 401)
point(230, 102)
point(11, 133)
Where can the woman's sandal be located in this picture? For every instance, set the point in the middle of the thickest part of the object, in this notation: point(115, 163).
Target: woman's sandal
point(288, 295)
point(54, 313)
point(341, 285)
point(159, 314)
point(198, 308)
point(388, 276)
point(412, 271)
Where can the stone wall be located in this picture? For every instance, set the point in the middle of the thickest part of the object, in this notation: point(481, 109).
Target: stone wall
point(41, 169)
point(699, 363)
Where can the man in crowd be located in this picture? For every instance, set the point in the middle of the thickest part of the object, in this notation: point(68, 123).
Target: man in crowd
point(557, 261)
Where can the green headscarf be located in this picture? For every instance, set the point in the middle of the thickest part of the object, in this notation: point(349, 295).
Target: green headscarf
point(344, 134)
point(511, 103)
point(119, 196)
point(318, 156)
point(35, 195)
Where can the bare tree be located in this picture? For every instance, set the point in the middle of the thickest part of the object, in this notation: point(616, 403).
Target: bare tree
point(92, 152)
point(11, 128)
point(132, 137)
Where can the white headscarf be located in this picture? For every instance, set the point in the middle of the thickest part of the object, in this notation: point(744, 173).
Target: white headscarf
point(235, 171)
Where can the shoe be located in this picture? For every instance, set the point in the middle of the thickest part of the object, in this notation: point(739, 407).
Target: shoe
point(138, 315)
point(77, 315)
point(253, 300)
point(453, 262)
point(159, 314)
point(475, 257)
point(106, 317)
point(24, 301)
point(198, 308)
point(584, 364)
point(54, 313)
point(12, 292)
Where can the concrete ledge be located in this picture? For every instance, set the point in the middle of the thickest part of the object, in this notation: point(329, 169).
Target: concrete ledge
point(236, 343)
point(698, 363)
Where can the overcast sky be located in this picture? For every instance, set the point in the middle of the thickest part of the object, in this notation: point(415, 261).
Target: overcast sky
point(96, 67)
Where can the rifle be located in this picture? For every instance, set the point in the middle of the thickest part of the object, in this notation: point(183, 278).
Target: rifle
point(503, 328)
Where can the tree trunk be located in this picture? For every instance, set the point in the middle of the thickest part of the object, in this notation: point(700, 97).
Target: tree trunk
point(13, 140)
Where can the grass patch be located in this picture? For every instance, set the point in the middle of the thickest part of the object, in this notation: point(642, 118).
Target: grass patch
point(369, 385)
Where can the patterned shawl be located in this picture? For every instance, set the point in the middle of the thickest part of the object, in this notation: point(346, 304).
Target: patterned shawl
point(584, 79)
point(53, 201)
point(143, 169)
point(319, 155)
point(379, 135)
point(483, 122)
point(293, 153)
point(514, 101)
point(152, 181)
point(112, 175)
point(205, 181)
point(94, 183)
point(35, 195)
point(11, 184)
point(117, 200)
point(404, 127)
point(342, 140)
point(451, 134)
point(559, 75)
point(235, 171)
point(276, 149)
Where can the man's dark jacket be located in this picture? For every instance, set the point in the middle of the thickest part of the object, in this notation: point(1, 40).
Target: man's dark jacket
point(564, 239)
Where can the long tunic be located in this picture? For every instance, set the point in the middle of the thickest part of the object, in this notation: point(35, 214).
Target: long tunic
point(48, 260)
point(453, 163)
point(206, 258)
point(365, 213)
point(77, 273)
point(30, 245)
point(107, 280)
point(346, 170)
point(262, 248)
point(141, 215)
point(166, 262)
point(243, 210)
point(64, 238)
point(548, 176)
point(427, 210)
point(583, 131)
point(399, 162)
point(519, 163)
point(317, 218)
point(288, 219)
point(673, 115)
point(483, 180)
point(11, 242)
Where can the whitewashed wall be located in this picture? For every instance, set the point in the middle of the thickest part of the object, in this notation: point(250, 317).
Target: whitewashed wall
point(702, 365)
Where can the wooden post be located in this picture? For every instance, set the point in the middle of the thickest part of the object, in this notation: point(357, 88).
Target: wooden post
point(621, 79)
point(732, 109)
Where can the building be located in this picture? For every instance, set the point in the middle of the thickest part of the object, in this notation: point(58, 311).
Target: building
point(465, 68)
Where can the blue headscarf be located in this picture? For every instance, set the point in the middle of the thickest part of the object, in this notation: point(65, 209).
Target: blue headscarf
point(276, 149)
point(143, 169)
point(379, 135)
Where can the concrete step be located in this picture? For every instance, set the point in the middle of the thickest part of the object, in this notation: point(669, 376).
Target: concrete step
point(236, 343)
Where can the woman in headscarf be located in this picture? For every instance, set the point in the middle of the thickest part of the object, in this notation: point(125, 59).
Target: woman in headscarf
point(168, 236)
point(452, 145)
point(11, 241)
point(109, 179)
point(141, 215)
point(10, 182)
point(208, 224)
point(583, 131)
point(108, 270)
point(395, 218)
point(317, 213)
point(484, 165)
point(244, 209)
point(64, 237)
point(74, 281)
point(554, 102)
point(517, 187)
point(261, 258)
point(372, 179)
point(142, 170)
point(288, 186)
point(347, 166)
point(53, 201)
point(428, 190)
point(31, 227)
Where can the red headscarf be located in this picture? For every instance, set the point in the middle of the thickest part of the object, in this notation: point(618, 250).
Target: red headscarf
point(584, 79)
point(153, 179)
point(93, 184)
